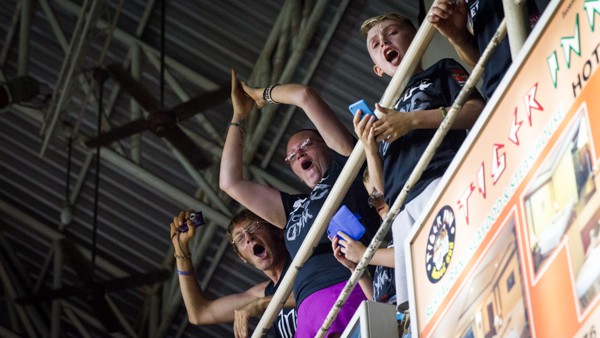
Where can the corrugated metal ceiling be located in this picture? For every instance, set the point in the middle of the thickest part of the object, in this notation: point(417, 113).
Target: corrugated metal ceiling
point(136, 199)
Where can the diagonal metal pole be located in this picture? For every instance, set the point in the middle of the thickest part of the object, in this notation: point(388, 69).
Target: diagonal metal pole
point(415, 176)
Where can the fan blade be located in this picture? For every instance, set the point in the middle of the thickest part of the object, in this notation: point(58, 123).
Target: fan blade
point(79, 263)
point(142, 95)
point(103, 311)
point(201, 103)
point(199, 158)
point(135, 280)
point(49, 295)
point(113, 135)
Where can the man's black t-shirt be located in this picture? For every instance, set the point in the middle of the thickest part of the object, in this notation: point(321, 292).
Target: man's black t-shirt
point(486, 16)
point(285, 325)
point(322, 270)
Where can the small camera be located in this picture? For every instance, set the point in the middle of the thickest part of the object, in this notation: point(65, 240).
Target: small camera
point(196, 218)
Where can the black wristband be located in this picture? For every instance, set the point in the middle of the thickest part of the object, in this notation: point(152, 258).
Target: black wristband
point(267, 94)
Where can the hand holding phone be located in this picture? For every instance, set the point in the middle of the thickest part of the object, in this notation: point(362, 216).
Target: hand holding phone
point(363, 106)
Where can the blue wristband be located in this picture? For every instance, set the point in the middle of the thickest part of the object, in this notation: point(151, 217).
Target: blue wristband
point(185, 273)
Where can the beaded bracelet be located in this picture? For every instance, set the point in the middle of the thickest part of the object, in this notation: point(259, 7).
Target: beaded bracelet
point(267, 94)
point(185, 272)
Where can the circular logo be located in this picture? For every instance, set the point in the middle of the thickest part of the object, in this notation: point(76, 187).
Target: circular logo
point(440, 244)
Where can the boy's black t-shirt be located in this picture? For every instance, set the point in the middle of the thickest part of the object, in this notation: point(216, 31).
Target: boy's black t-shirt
point(435, 87)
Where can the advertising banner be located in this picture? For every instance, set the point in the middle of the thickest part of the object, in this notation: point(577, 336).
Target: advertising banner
point(510, 247)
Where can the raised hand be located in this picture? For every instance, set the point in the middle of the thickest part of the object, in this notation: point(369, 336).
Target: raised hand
point(181, 239)
point(255, 94)
point(242, 103)
point(449, 17)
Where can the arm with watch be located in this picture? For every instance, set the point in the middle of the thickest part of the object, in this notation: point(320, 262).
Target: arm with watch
point(334, 133)
point(231, 178)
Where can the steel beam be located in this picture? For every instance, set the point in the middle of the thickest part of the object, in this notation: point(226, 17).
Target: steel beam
point(64, 85)
point(24, 34)
point(275, 142)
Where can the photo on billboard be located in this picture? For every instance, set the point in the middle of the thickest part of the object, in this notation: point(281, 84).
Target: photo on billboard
point(562, 209)
point(490, 303)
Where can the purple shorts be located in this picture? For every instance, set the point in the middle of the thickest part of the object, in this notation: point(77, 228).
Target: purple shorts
point(315, 308)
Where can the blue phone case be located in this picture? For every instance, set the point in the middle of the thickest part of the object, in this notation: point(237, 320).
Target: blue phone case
point(363, 106)
point(344, 220)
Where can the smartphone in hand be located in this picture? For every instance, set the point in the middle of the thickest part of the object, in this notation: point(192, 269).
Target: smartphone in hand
point(363, 106)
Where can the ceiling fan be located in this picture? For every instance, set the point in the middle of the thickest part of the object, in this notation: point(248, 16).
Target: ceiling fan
point(87, 287)
point(161, 121)
point(92, 291)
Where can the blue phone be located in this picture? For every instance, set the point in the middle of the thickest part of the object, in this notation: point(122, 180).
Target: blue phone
point(344, 220)
point(363, 106)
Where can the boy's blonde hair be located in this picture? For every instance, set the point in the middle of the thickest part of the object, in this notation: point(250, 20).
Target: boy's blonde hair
point(401, 20)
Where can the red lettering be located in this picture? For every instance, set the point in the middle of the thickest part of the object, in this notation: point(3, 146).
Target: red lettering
point(531, 103)
point(498, 162)
point(514, 129)
point(463, 202)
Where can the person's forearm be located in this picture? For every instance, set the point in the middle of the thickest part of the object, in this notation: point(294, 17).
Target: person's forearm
point(383, 257)
point(333, 131)
point(366, 284)
point(432, 118)
point(195, 301)
point(257, 307)
point(469, 113)
point(466, 47)
point(231, 171)
point(375, 166)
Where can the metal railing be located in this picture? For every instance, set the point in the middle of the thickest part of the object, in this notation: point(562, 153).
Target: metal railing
point(391, 95)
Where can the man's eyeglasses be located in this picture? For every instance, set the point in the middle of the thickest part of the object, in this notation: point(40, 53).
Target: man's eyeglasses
point(251, 228)
point(290, 158)
point(375, 198)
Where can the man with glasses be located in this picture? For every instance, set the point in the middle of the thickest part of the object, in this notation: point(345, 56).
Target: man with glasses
point(317, 158)
point(257, 243)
